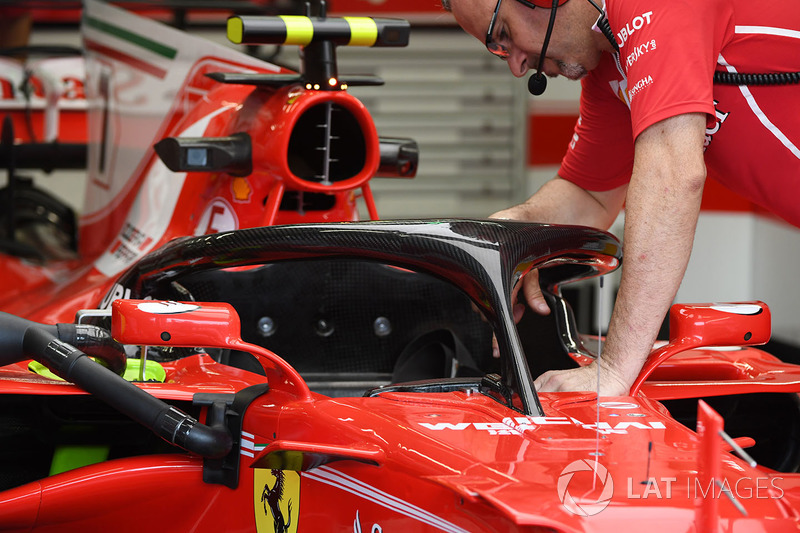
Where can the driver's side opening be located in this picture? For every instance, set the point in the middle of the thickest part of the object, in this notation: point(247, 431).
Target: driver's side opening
point(348, 326)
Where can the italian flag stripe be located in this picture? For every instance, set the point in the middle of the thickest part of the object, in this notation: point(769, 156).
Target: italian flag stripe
point(125, 58)
point(127, 35)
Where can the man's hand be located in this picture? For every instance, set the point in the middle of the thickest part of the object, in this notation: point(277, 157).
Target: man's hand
point(583, 379)
point(558, 202)
point(532, 293)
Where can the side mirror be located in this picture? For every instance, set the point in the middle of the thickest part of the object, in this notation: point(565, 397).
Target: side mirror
point(165, 323)
point(713, 324)
point(720, 324)
point(197, 324)
point(233, 154)
point(399, 157)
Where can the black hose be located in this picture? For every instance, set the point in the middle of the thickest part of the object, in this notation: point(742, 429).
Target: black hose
point(12, 334)
point(96, 342)
point(164, 420)
point(93, 340)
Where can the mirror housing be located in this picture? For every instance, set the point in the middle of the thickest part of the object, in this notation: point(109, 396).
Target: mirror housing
point(712, 324)
point(233, 154)
point(167, 323)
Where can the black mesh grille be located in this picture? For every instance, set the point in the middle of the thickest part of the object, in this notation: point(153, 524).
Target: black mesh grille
point(324, 313)
point(327, 145)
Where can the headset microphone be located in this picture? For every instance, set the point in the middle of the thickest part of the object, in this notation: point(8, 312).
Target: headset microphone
point(537, 83)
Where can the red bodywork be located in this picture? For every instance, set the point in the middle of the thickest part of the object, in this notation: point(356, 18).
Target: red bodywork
point(438, 462)
point(56, 291)
point(406, 460)
point(457, 460)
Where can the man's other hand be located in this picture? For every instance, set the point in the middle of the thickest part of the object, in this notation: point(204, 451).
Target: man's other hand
point(583, 379)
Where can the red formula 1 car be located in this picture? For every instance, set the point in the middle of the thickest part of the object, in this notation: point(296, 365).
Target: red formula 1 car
point(190, 137)
point(339, 377)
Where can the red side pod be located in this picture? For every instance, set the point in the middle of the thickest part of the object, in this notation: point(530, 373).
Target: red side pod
point(20, 506)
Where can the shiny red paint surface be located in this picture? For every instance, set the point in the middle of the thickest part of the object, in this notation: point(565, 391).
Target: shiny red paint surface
point(185, 324)
point(147, 322)
point(133, 204)
point(23, 276)
point(710, 372)
point(489, 457)
point(184, 378)
point(58, 299)
point(704, 325)
point(124, 495)
point(455, 461)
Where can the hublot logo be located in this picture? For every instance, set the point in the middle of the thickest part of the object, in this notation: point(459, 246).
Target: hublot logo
point(632, 27)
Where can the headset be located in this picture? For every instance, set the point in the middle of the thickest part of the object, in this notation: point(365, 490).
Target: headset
point(537, 83)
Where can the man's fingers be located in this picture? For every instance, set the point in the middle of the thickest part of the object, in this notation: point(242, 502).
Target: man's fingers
point(533, 293)
point(580, 379)
point(548, 382)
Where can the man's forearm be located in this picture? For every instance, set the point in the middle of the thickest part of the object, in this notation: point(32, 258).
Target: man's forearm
point(663, 204)
point(562, 202)
point(654, 265)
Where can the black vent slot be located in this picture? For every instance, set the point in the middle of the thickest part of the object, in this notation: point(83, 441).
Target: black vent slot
point(307, 201)
point(327, 145)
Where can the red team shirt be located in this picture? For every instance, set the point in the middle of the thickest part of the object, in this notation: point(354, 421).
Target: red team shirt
point(668, 54)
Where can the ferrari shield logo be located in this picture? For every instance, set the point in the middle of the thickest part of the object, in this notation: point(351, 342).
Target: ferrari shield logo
point(276, 499)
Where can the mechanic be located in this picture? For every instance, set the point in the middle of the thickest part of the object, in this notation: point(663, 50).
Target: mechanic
point(654, 120)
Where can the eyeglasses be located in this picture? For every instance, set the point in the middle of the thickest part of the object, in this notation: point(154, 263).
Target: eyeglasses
point(498, 49)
